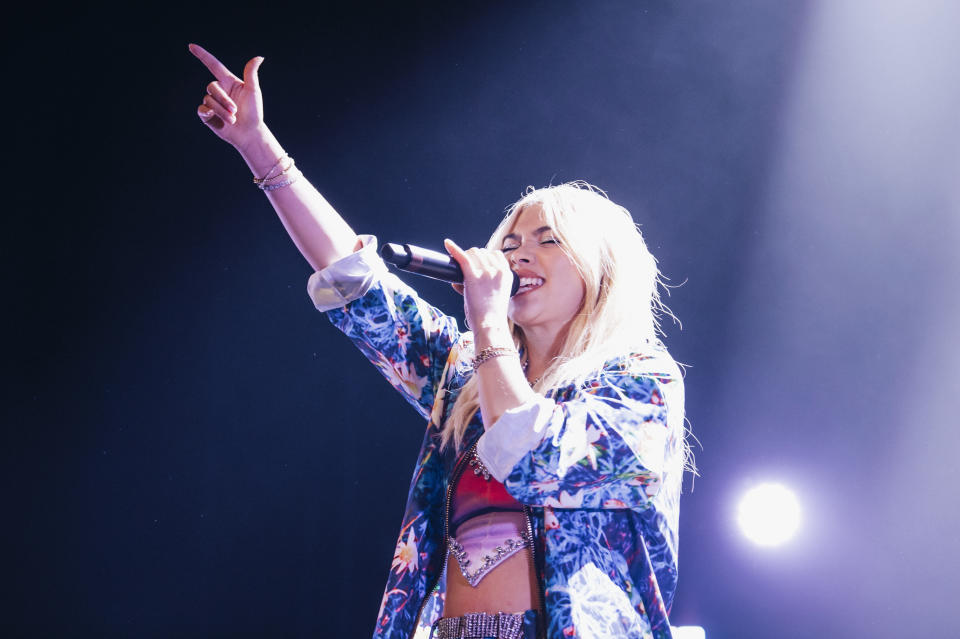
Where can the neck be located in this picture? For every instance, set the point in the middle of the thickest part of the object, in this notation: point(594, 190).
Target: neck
point(542, 346)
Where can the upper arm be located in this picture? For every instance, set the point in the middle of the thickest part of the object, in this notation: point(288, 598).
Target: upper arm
point(407, 339)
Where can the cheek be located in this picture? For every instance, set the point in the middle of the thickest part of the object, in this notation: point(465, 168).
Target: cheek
point(577, 287)
point(582, 292)
point(569, 300)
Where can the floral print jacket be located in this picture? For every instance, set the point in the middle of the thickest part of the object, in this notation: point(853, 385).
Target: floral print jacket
point(599, 466)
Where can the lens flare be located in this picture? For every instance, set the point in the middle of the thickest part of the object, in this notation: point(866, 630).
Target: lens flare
point(769, 514)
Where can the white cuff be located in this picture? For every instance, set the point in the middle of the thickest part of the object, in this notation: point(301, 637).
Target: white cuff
point(516, 433)
point(348, 278)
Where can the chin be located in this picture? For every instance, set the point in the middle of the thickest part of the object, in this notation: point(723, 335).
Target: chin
point(517, 315)
point(522, 319)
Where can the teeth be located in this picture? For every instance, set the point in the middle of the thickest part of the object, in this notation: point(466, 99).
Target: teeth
point(531, 281)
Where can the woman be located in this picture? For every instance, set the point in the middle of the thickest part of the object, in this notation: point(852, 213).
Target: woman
point(545, 498)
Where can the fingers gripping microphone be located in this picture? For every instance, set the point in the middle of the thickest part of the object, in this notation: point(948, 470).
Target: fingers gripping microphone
point(439, 266)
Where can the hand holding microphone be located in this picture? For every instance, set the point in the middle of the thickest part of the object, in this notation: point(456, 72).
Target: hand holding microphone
point(429, 263)
point(487, 284)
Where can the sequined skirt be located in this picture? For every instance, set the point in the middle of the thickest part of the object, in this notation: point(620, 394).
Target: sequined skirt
point(480, 625)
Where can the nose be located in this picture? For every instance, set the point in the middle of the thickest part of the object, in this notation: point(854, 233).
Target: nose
point(521, 255)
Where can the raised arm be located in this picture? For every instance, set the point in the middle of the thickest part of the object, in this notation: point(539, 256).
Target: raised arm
point(233, 110)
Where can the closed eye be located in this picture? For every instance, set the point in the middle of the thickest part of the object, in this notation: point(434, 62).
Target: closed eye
point(542, 242)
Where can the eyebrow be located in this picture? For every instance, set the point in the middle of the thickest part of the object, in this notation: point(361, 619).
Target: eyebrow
point(515, 236)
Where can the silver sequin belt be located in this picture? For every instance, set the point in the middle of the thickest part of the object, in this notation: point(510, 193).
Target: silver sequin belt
point(476, 625)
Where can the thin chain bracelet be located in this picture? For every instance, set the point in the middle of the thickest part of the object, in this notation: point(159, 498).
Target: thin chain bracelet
point(281, 173)
point(269, 175)
point(490, 352)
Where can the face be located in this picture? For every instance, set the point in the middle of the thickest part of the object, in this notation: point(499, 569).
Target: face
point(551, 290)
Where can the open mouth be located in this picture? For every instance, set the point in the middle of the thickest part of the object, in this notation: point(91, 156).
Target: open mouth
point(528, 284)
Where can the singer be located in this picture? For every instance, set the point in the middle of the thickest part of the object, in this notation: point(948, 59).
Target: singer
point(545, 498)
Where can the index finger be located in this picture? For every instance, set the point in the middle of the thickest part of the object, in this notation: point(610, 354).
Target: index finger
point(215, 67)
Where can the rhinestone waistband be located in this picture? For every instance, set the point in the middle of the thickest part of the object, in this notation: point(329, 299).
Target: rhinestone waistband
point(476, 625)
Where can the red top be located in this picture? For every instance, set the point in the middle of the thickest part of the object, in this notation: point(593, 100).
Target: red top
point(474, 495)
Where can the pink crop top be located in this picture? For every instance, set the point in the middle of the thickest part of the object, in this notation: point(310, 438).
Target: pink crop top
point(487, 525)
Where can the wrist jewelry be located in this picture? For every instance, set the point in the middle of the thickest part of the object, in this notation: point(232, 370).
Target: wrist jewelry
point(279, 185)
point(270, 175)
point(490, 352)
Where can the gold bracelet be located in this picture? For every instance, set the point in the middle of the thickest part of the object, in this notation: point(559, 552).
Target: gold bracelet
point(490, 352)
point(280, 174)
point(269, 175)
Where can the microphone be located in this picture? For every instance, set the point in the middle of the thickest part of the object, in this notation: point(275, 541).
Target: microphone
point(439, 266)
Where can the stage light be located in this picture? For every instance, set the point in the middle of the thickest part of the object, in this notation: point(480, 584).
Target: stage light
point(688, 632)
point(769, 514)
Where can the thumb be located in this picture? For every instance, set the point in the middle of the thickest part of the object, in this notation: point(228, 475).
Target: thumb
point(251, 71)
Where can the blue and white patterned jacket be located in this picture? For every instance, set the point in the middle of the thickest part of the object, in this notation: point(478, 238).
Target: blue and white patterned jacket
point(599, 466)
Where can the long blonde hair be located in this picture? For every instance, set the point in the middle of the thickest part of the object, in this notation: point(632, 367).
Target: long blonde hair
point(621, 303)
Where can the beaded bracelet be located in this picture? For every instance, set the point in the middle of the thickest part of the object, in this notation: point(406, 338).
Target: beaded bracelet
point(490, 352)
point(279, 185)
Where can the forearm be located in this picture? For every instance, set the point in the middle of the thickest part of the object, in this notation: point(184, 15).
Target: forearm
point(501, 381)
point(318, 231)
point(611, 444)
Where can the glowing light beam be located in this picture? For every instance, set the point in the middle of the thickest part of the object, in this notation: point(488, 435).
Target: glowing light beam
point(769, 514)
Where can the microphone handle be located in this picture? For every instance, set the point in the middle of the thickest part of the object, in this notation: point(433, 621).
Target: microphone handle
point(440, 266)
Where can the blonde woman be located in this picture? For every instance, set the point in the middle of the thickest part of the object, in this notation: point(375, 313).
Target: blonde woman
point(545, 498)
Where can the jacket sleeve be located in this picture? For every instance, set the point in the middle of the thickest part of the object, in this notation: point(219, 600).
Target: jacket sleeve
point(408, 340)
point(608, 444)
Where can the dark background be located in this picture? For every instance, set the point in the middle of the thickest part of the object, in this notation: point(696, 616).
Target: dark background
point(192, 450)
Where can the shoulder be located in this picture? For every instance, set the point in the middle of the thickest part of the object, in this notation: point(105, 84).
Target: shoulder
point(654, 364)
point(649, 376)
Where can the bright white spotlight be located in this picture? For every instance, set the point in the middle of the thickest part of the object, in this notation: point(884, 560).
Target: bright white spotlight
point(688, 632)
point(769, 514)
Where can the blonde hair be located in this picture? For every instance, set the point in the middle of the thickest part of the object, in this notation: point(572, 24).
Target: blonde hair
point(621, 304)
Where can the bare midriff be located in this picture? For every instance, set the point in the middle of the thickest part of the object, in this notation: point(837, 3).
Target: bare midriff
point(510, 587)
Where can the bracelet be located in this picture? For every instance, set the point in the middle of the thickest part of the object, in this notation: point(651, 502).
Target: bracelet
point(281, 173)
point(269, 175)
point(490, 352)
point(279, 185)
